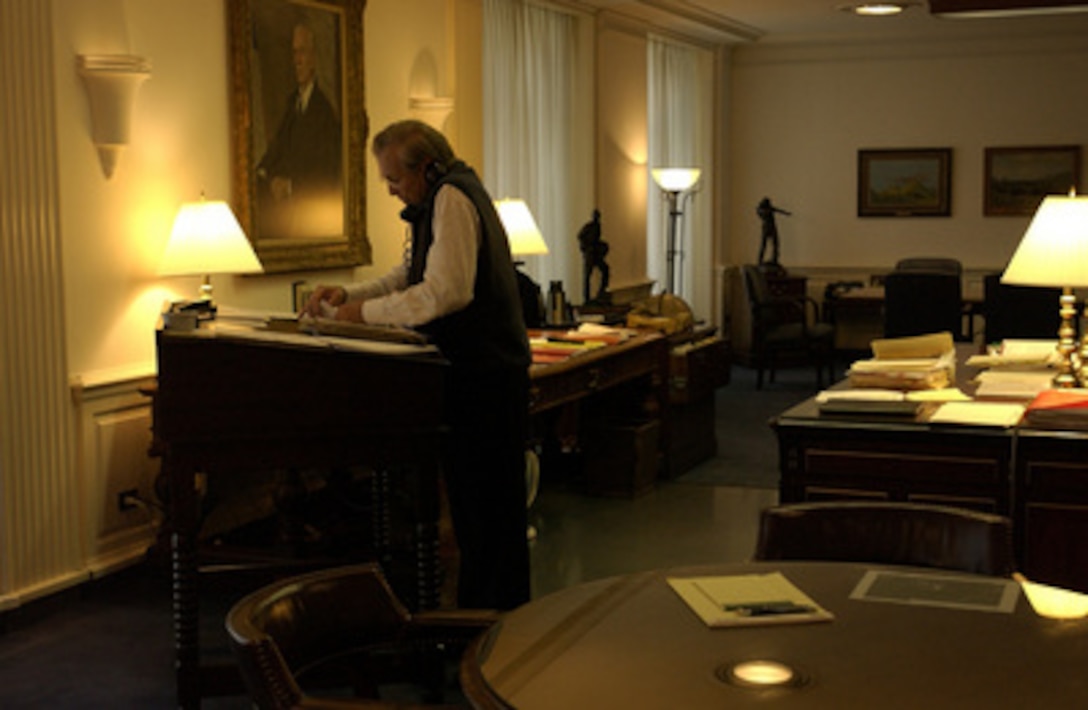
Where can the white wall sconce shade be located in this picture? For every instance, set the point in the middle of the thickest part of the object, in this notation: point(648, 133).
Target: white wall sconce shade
point(432, 110)
point(111, 81)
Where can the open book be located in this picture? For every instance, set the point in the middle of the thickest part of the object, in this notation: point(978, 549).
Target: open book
point(748, 600)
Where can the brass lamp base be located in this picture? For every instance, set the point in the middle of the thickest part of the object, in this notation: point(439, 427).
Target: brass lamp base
point(1068, 372)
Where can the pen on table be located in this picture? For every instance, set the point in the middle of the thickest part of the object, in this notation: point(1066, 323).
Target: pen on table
point(768, 608)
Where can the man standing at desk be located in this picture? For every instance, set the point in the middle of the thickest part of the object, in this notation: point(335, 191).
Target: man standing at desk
point(457, 284)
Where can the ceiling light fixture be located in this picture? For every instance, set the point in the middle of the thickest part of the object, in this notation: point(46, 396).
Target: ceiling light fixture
point(876, 9)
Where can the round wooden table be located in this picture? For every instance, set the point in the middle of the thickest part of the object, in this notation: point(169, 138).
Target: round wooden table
point(631, 642)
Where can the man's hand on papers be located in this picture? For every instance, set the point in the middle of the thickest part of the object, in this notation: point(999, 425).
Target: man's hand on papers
point(323, 300)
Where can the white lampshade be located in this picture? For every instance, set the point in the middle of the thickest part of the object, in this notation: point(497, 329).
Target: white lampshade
point(207, 239)
point(675, 179)
point(525, 237)
point(1054, 602)
point(1054, 250)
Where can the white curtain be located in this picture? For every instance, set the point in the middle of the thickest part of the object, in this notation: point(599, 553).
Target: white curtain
point(679, 113)
point(531, 57)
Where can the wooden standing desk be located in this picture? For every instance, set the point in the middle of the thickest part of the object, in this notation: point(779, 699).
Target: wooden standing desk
point(631, 642)
point(229, 401)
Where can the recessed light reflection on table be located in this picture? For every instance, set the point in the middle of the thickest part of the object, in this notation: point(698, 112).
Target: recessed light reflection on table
point(762, 673)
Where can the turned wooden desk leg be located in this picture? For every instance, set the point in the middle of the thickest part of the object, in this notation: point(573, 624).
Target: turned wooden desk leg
point(184, 518)
point(381, 526)
point(424, 480)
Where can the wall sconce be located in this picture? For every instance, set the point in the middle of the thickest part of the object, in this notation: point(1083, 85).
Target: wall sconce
point(674, 182)
point(206, 239)
point(432, 110)
point(111, 81)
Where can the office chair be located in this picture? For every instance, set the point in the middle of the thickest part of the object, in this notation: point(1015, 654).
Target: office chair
point(912, 534)
point(930, 265)
point(782, 325)
point(1019, 311)
point(918, 303)
point(342, 631)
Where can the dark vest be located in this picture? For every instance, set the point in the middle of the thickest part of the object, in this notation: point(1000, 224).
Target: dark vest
point(489, 332)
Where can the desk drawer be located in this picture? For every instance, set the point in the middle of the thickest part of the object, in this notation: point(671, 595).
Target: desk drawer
point(944, 470)
point(575, 380)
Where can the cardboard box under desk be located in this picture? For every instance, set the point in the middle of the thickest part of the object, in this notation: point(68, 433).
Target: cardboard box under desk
point(621, 459)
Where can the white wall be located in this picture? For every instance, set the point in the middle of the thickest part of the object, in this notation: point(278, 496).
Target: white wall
point(799, 115)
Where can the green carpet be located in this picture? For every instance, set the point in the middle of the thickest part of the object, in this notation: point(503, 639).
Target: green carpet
point(747, 447)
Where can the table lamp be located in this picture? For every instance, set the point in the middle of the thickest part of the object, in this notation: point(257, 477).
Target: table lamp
point(206, 239)
point(525, 240)
point(674, 182)
point(1054, 252)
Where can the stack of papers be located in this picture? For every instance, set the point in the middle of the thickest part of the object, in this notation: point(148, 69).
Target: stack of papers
point(999, 414)
point(747, 600)
point(914, 363)
point(1013, 384)
point(1019, 354)
point(551, 346)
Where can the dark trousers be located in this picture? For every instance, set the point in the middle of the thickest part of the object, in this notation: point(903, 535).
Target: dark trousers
point(488, 414)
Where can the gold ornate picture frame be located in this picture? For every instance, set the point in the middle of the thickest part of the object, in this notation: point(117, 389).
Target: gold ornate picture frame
point(299, 130)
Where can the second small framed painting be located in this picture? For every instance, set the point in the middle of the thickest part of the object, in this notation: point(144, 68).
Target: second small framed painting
point(905, 182)
point(1017, 179)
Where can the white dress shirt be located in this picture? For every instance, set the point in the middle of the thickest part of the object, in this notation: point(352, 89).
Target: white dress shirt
point(448, 278)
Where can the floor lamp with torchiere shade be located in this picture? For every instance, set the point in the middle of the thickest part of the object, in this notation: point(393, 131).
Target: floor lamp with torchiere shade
point(1054, 252)
point(676, 183)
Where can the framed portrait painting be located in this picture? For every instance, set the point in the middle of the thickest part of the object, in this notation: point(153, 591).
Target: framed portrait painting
point(905, 182)
point(1017, 179)
point(298, 131)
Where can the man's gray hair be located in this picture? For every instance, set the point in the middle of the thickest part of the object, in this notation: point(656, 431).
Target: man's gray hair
point(417, 143)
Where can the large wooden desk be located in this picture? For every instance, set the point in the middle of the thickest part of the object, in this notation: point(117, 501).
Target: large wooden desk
point(623, 384)
point(228, 402)
point(631, 642)
point(643, 357)
point(1039, 478)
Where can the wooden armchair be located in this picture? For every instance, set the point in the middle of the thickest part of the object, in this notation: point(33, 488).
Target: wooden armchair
point(339, 637)
point(784, 325)
point(888, 533)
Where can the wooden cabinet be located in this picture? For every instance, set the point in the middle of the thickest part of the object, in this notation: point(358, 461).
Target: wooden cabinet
point(1039, 478)
point(1052, 506)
